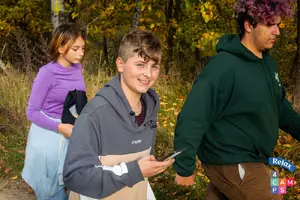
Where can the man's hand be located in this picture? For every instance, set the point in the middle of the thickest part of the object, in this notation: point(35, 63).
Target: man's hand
point(150, 167)
point(186, 181)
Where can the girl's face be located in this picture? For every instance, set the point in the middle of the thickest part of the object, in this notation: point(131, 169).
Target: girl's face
point(73, 55)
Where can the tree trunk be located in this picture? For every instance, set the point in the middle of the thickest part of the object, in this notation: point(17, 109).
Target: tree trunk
point(296, 64)
point(105, 50)
point(136, 16)
point(169, 9)
point(57, 12)
point(198, 61)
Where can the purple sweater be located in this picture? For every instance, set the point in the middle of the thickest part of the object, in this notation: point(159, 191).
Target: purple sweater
point(49, 90)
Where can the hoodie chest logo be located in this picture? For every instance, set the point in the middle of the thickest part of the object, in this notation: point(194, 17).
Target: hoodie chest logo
point(277, 78)
point(136, 141)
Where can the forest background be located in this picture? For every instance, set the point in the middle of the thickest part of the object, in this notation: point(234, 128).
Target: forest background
point(189, 31)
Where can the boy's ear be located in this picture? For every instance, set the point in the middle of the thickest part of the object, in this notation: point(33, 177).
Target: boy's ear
point(120, 63)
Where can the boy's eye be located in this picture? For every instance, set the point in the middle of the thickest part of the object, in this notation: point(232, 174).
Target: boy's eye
point(140, 65)
point(270, 24)
point(155, 66)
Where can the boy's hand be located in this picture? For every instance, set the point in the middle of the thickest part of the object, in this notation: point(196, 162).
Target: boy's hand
point(186, 181)
point(150, 167)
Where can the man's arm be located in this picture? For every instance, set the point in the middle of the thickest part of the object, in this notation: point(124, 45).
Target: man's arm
point(83, 171)
point(289, 119)
point(193, 121)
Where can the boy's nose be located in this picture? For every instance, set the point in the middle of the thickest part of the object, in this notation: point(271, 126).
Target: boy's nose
point(147, 72)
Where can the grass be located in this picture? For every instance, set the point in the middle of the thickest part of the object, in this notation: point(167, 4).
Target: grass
point(15, 89)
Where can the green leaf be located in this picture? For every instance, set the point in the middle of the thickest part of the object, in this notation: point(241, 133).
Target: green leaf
point(73, 15)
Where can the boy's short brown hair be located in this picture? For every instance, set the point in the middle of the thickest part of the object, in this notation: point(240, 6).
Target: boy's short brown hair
point(144, 43)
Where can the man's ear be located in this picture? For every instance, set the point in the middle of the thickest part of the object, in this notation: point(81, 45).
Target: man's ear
point(120, 63)
point(248, 27)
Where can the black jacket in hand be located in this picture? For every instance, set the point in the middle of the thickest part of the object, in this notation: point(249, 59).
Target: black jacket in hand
point(77, 98)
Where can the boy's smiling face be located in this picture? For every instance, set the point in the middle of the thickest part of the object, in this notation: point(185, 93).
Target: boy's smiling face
point(137, 74)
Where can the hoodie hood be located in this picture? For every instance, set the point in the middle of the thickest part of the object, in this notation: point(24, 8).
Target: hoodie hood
point(232, 44)
point(114, 95)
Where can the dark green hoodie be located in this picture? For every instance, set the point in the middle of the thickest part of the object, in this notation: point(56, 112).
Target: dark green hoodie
point(234, 110)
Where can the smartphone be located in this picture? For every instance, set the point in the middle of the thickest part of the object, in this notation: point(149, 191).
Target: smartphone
point(172, 155)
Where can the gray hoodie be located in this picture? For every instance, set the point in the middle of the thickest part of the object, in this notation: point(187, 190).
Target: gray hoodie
point(106, 143)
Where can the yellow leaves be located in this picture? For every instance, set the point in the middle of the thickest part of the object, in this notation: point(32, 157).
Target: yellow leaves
point(127, 8)
point(281, 25)
point(206, 5)
point(158, 14)
point(142, 27)
point(171, 133)
point(170, 108)
point(5, 28)
point(179, 29)
point(152, 26)
point(111, 7)
point(174, 23)
point(206, 17)
point(143, 7)
point(171, 124)
point(15, 177)
point(205, 35)
point(73, 15)
point(207, 38)
point(92, 7)
point(78, 2)
point(206, 11)
point(146, 7)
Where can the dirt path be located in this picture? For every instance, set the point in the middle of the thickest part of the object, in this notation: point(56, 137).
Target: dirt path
point(15, 190)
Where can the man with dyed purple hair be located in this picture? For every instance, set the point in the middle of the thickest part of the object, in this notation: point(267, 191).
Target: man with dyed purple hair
point(231, 116)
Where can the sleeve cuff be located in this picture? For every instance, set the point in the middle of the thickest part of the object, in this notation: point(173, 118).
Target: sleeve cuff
point(54, 126)
point(135, 173)
point(180, 172)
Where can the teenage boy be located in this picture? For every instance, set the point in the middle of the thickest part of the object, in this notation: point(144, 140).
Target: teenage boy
point(232, 114)
point(110, 155)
